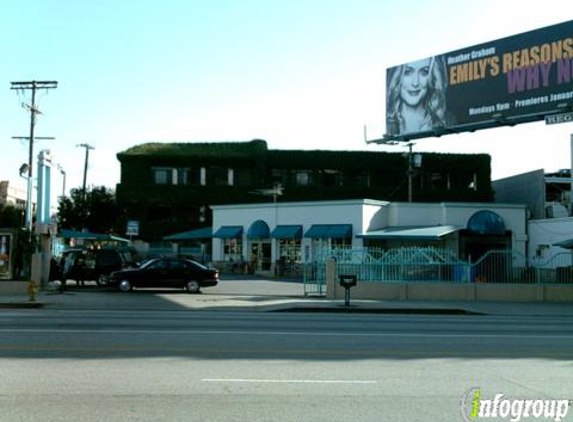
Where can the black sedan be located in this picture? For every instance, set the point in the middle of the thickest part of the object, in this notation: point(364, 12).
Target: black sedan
point(166, 272)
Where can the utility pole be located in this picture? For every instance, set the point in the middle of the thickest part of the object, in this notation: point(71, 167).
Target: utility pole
point(33, 86)
point(87, 147)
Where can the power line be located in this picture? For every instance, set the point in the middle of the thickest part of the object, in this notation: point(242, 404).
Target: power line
point(32, 108)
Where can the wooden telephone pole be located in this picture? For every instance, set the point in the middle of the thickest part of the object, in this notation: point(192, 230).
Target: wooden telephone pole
point(33, 86)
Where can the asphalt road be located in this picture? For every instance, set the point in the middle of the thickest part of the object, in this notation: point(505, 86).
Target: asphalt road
point(241, 366)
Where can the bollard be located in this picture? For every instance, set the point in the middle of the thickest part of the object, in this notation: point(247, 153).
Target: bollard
point(32, 290)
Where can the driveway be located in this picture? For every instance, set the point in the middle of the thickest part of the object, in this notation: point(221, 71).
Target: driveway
point(232, 293)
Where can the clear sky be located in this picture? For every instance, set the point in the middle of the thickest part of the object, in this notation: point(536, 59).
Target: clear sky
point(301, 74)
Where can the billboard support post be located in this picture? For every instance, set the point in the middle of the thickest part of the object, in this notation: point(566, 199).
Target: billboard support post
point(571, 179)
point(410, 171)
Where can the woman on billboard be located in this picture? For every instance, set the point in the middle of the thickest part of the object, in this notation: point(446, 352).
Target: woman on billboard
point(416, 97)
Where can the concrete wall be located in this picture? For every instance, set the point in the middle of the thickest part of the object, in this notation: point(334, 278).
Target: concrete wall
point(457, 292)
point(10, 288)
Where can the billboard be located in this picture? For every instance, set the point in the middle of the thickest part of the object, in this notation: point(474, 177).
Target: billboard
point(513, 80)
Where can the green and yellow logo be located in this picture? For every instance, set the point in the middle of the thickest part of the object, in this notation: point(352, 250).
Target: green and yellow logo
point(474, 406)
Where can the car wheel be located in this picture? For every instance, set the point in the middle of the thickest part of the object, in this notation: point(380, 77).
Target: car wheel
point(125, 286)
point(102, 280)
point(193, 286)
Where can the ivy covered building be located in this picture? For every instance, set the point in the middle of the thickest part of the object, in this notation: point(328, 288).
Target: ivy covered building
point(170, 187)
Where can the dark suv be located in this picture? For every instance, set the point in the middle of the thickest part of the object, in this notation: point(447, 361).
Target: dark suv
point(94, 264)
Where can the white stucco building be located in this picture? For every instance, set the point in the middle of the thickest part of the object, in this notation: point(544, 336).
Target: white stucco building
point(13, 193)
point(273, 234)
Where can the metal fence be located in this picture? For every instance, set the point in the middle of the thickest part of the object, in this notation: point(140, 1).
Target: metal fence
point(418, 264)
point(314, 278)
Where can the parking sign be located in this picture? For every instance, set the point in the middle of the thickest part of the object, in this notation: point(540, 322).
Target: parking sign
point(132, 228)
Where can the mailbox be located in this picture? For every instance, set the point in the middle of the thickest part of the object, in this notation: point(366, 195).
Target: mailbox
point(347, 281)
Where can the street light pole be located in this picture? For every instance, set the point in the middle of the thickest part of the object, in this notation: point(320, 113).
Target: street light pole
point(28, 177)
point(63, 172)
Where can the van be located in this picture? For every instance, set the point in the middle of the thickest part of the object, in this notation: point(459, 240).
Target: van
point(94, 264)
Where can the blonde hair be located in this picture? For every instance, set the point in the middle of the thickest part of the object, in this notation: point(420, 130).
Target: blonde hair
point(433, 103)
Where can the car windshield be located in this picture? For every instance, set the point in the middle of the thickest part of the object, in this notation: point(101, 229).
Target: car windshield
point(198, 264)
point(147, 263)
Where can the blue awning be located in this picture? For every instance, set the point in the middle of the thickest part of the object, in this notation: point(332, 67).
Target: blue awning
point(329, 231)
point(567, 244)
point(287, 232)
point(258, 230)
point(204, 233)
point(411, 233)
point(486, 222)
point(229, 232)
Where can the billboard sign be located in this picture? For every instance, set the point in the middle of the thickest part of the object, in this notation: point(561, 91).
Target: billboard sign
point(559, 118)
point(513, 80)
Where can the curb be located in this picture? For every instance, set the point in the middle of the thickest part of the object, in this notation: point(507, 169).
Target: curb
point(370, 310)
point(22, 305)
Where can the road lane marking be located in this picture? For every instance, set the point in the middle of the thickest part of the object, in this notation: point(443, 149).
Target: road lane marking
point(286, 381)
point(287, 333)
point(116, 350)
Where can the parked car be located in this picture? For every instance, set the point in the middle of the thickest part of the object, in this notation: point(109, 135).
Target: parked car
point(166, 272)
point(94, 264)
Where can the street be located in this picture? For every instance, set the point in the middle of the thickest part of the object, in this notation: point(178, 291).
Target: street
point(70, 365)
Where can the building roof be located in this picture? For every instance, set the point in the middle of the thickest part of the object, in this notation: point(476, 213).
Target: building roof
point(411, 232)
point(196, 149)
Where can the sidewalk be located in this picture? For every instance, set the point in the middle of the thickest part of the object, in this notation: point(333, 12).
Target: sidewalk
point(263, 295)
point(179, 301)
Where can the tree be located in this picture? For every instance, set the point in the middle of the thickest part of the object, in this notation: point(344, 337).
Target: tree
point(96, 211)
point(11, 217)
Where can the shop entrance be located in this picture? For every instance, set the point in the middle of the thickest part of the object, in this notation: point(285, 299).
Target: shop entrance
point(260, 256)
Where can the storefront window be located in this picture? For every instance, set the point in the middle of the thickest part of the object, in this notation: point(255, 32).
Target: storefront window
point(290, 250)
point(233, 249)
point(340, 243)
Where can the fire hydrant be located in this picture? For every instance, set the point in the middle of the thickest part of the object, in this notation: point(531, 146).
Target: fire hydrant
point(32, 290)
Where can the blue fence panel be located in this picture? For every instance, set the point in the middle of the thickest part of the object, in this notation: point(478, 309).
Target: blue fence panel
point(436, 265)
